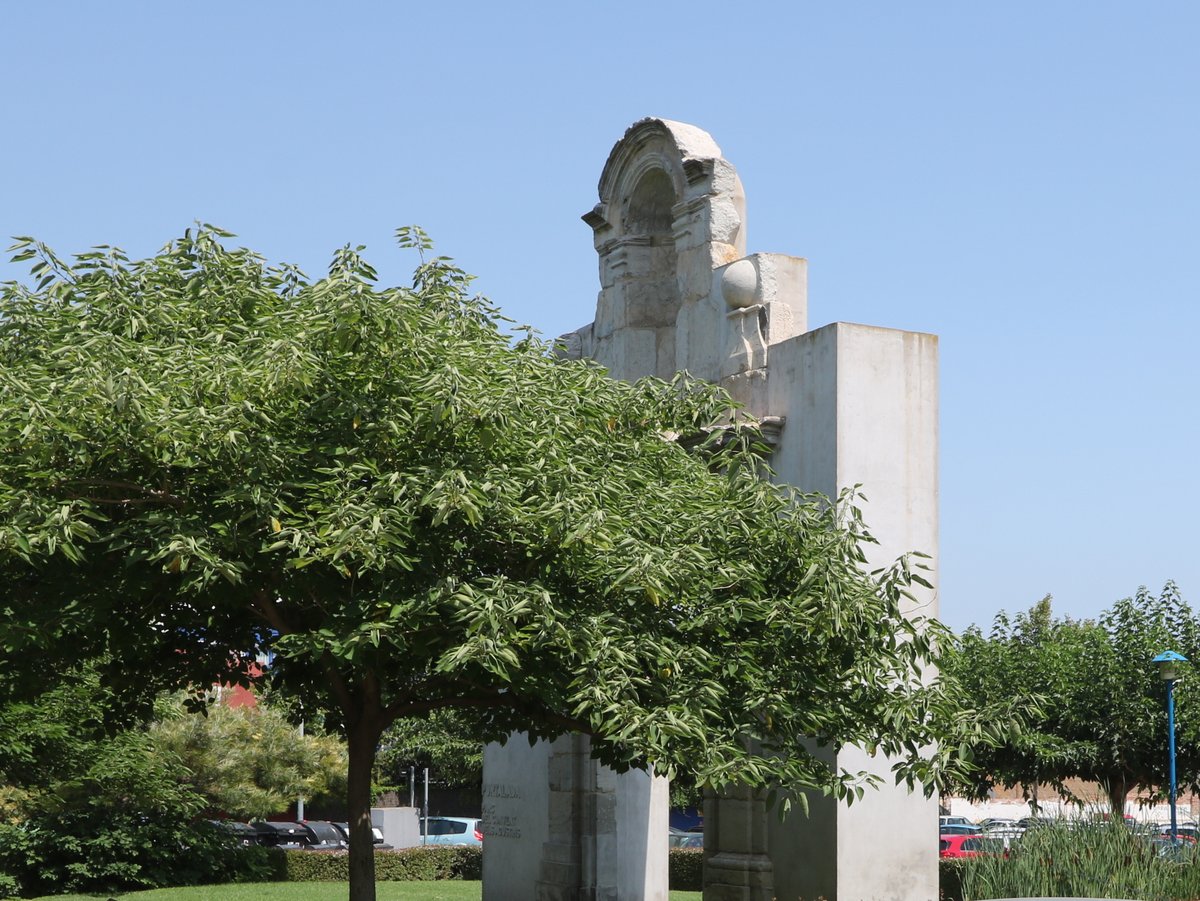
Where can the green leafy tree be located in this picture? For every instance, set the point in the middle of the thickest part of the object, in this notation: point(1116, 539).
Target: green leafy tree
point(203, 457)
point(1094, 703)
point(249, 762)
point(446, 741)
point(90, 803)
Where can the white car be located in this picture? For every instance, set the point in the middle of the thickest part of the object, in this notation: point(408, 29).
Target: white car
point(953, 821)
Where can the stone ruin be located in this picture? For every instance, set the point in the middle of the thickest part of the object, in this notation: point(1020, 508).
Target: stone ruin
point(843, 404)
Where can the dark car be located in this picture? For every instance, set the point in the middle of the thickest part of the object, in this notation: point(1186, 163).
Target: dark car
point(376, 833)
point(1034, 822)
point(324, 836)
point(281, 835)
point(243, 833)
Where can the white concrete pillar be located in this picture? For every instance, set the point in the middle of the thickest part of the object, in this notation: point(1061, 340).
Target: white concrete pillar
point(860, 406)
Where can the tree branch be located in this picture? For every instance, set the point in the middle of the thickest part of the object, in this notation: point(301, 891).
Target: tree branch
point(147, 495)
point(499, 699)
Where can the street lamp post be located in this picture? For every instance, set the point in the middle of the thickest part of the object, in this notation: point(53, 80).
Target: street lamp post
point(1168, 668)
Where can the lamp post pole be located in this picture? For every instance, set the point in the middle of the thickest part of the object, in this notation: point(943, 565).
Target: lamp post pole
point(1171, 756)
point(1168, 667)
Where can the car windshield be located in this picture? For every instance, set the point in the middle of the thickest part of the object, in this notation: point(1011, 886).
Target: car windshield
point(988, 845)
point(325, 832)
point(445, 827)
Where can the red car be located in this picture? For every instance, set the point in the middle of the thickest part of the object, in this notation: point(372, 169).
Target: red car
point(970, 846)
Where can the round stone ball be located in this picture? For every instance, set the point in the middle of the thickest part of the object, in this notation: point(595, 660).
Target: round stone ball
point(739, 284)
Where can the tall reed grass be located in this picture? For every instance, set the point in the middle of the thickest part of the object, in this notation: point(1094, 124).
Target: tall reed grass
point(1090, 858)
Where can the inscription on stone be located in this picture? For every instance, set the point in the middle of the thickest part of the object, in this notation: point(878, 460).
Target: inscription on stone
point(498, 819)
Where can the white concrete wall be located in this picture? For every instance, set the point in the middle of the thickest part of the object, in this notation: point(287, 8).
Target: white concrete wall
point(515, 821)
point(557, 826)
point(1052, 807)
point(639, 836)
point(400, 826)
point(861, 408)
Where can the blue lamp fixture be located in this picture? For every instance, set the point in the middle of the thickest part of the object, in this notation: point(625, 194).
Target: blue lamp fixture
point(1168, 668)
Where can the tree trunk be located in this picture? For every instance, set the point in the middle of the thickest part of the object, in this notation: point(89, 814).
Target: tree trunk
point(361, 739)
point(1118, 788)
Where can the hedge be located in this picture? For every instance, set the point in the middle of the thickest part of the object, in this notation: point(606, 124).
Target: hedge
point(685, 865)
point(685, 869)
point(950, 878)
point(403, 865)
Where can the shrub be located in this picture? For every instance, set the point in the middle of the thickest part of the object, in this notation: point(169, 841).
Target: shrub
point(252, 864)
point(91, 804)
point(69, 855)
point(950, 879)
point(403, 865)
point(685, 869)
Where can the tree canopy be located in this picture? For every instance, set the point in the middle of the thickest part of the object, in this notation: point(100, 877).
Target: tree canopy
point(445, 741)
point(1094, 702)
point(248, 762)
point(206, 457)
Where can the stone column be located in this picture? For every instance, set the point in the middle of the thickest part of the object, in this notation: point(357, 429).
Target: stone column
point(860, 405)
point(568, 866)
point(737, 866)
point(559, 827)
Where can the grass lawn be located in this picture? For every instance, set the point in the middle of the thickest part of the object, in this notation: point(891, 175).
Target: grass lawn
point(311, 891)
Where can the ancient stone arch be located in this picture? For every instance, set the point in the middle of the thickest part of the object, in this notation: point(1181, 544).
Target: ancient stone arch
point(677, 291)
point(671, 209)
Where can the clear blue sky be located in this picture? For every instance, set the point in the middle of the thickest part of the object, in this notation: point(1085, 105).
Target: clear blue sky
point(1022, 179)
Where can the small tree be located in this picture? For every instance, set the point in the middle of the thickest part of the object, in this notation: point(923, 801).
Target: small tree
point(1093, 701)
point(444, 740)
point(205, 457)
point(249, 762)
point(90, 803)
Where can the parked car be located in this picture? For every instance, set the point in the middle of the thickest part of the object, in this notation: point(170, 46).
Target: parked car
point(994, 824)
point(376, 833)
point(324, 836)
point(280, 835)
point(946, 820)
point(959, 829)
point(1035, 822)
point(451, 831)
point(1182, 851)
point(243, 833)
point(1189, 829)
point(684, 838)
point(964, 845)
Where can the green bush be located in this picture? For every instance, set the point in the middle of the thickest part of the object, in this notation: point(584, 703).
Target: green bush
point(255, 864)
point(90, 805)
point(950, 879)
point(403, 865)
point(115, 853)
point(685, 869)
